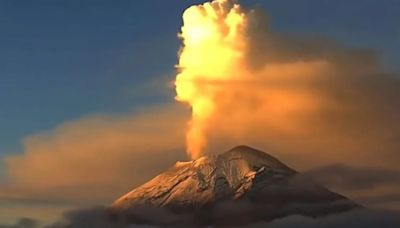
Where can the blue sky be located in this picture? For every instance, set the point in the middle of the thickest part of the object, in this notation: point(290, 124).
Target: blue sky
point(61, 60)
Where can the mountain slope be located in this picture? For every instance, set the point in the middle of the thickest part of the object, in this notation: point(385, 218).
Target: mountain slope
point(240, 186)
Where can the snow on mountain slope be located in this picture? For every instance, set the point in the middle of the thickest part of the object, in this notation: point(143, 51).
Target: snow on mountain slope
point(243, 184)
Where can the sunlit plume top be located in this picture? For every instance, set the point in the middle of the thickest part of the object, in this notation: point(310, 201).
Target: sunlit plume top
point(214, 43)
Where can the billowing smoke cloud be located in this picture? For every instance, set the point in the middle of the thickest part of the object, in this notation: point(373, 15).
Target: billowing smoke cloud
point(309, 100)
point(213, 38)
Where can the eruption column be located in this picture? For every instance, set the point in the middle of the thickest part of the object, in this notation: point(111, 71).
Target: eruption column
point(214, 44)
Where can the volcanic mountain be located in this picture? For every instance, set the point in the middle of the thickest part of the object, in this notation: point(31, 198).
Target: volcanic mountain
point(238, 187)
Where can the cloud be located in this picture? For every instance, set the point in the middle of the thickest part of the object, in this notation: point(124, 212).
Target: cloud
point(99, 218)
point(354, 178)
point(370, 186)
point(92, 217)
point(23, 223)
point(293, 94)
point(95, 159)
point(307, 100)
point(354, 219)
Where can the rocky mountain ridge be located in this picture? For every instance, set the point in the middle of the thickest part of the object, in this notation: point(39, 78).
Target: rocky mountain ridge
point(240, 186)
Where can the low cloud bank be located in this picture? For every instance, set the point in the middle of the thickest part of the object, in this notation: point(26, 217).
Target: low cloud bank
point(370, 186)
point(353, 219)
point(23, 223)
point(354, 178)
point(97, 217)
point(95, 159)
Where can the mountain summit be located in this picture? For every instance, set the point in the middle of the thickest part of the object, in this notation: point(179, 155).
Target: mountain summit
point(238, 187)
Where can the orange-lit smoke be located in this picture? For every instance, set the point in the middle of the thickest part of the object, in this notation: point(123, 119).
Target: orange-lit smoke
point(214, 43)
point(289, 93)
point(218, 79)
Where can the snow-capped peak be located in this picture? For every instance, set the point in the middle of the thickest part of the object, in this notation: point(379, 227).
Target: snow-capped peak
point(241, 174)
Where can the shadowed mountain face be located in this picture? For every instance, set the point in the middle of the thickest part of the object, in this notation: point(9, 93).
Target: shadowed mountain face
point(238, 187)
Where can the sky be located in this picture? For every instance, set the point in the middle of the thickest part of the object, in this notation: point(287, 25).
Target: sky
point(64, 61)
point(61, 60)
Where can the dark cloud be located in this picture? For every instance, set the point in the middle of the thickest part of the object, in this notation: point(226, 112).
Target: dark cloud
point(93, 217)
point(354, 178)
point(381, 199)
point(369, 186)
point(99, 218)
point(23, 223)
point(354, 219)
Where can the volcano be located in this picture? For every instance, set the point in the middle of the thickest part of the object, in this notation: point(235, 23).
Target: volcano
point(238, 187)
